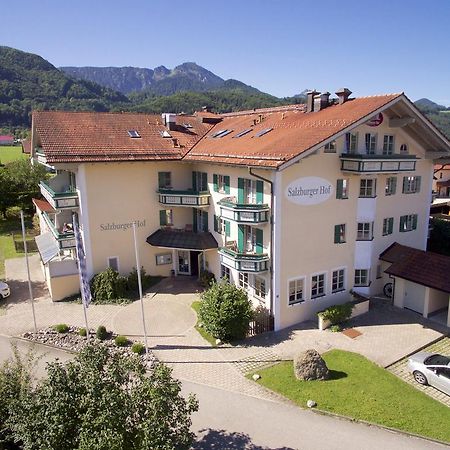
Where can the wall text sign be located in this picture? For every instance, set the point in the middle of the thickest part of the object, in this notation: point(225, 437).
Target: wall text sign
point(309, 191)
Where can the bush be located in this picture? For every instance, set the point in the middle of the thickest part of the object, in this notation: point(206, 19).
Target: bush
point(335, 328)
point(138, 348)
point(101, 333)
point(207, 278)
point(82, 332)
point(61, 328)
point(108, 286)
point(337, 313)
point(121, 341)
point(225, 311)
point(132, 280)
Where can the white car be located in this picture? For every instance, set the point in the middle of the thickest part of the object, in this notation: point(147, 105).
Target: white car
point(4, 290)
point(432, 369)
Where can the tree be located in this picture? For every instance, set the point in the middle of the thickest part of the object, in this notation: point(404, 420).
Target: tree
point(104, 401)
point(226, 311)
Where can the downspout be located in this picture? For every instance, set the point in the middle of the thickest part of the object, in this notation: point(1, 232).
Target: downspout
point(271, 235)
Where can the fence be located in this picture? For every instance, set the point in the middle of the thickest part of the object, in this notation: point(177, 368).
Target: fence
point(261, 324)
point(18, 242)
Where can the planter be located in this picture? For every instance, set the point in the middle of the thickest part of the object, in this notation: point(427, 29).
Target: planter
point(323, 323)
point(360, 307)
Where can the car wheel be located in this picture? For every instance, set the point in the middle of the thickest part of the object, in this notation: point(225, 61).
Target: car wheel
point(420, 377)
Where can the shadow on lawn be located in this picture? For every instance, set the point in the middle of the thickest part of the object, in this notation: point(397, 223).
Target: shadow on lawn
point(221, 439)
point(336, 375)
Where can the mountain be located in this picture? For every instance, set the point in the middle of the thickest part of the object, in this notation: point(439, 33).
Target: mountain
point(28, 81)
point(427, 104)
point(188, 76)
point(438, 114)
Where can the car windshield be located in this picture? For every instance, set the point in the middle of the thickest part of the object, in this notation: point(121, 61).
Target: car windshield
point(439, 360)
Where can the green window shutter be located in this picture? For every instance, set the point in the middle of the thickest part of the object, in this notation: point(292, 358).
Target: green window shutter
point(216, 189)
point(259, 192)
point(337, 234)
point(394, 185)
point(405, 181)
point(240, 190)
point(402, 224)
point(339, 188)
point(194, 219)
point(414, 222)
point(205, 221)
point(240, 242)
point(162, 217)
point(227, 228)
point(204, 181)
point(259, 240)
point(226, 179)
point(391, 225)
point(216, 224)
point(160, 179)
point(419, 179)
point(194, 180)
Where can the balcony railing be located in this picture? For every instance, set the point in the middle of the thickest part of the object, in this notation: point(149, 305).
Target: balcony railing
point(249, 213)
point(377, 163)
point(59, 200)
point(65, 240)
point(244, 262)
point(187, 197)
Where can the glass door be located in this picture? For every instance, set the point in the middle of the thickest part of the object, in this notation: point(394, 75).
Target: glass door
point(184, 267)
point(250, 239)
point(249, 191)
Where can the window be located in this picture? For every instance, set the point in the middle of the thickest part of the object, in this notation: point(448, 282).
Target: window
point(339, 234)
point(133, 134)
point(218, 224)
point(379, 274)
point(243, 280)
point(388, 144)
point(351, 142)
point(411, 185)
point(404, 149)
point(113, 263)
point(164, 180)
point(263, 132)
point(243, 133)
point(249, 191)
point(317, 285)
point(260, 287)
point(330, 147)
point(367, 188)
point(408, 223)
point(225, 272)
point(163, 258)
point(337, 280)
point(362, 277)
point(296, 288)
point(388, 226)
point(199, 181)
point(371, 143)
point(364, 232)
point(342, 188)
point(221, 183)
point(391, 186)
point(165, 217)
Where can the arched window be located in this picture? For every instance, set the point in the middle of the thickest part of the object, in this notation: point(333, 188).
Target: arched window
point(404, 149)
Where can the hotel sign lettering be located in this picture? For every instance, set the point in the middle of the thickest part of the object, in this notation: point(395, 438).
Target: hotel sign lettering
point(121, 226)
point(309, 191)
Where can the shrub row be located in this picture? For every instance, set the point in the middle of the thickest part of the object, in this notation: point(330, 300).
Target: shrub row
point(337, 313)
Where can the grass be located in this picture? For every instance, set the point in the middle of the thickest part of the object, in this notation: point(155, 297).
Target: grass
point(204, 334)
point(11, 153)
point(360, 389)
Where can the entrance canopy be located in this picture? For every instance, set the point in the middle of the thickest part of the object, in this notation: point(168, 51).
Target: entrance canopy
point(183, 240)
point(47, 246)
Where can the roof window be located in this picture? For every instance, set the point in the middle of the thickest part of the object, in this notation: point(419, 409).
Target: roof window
point(263, 132)
point(133, 134)
point(243, 133)
point(165, 134)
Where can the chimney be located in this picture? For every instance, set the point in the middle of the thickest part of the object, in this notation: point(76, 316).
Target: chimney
point(343, 95)
point(321, 101)
point(310, 100)
point(170, 121)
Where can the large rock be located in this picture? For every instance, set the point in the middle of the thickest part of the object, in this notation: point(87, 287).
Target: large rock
point(309, 365)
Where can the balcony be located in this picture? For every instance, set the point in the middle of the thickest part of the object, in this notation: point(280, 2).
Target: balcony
point(377, 163)
point(65, 240)
point(244, 262)
point(248, 213)
point(188, 197)
point(59, 192)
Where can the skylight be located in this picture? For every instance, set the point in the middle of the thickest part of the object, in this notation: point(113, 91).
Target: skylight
point(243, 133)
point(165, 134)
point(263, 132)
point(226, 132)
point(187, 125)
point(217, 133)
point(133, 134)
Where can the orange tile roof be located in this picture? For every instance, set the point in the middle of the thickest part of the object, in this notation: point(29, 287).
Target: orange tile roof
point(43, 205)
point(87, 136)
point(293, 132)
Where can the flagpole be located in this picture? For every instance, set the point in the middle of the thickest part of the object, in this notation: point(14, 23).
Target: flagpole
point(28, 269)
point(138, 268)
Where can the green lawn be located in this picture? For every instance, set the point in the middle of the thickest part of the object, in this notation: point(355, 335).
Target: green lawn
point(362, 390)
point(205, 335)
point(10, 153)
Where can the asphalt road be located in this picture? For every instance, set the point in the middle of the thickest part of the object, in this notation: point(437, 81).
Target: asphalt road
point(227, 420)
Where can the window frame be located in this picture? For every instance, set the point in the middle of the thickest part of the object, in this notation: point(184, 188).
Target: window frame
point(365, 191)
point(390, 187)
point(342, 188)
point(168, 216)
point(340, 287)
point(108, 264)
point(261, 291)
point(243, 280)
point(340, 236)
point(330, 147)
point(351, 142)
point(225, 272)
point(411, 184)
point(167, 176)
point(366, 233)
point(358, 274)
point(321, 288)
point(166, 259)
point(408, 222)
point(388, 144)
point(302, 299)
point(371, 143)
point(388, 226)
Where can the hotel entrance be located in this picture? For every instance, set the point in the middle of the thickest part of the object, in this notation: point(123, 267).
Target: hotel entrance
point(188, 262)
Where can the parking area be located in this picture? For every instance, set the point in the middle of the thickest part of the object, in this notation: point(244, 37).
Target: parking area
point(399, 368)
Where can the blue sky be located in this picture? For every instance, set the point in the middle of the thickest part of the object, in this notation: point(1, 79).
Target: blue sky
point(280, 47)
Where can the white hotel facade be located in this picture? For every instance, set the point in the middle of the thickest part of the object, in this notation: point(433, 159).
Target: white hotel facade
point(294, 204)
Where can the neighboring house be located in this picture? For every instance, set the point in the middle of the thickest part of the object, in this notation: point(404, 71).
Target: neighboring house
point(6, 140)
point(294, 204)
point(421, 280)
point(441, 182)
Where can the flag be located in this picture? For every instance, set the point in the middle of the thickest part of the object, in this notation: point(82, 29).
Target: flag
point(84, 282)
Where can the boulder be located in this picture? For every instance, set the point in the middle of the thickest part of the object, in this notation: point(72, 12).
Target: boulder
point(309, 365)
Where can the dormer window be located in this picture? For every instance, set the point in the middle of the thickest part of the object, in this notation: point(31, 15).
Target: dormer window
point(404, 149)
point(133, 134)
point(165, 134)
point(330, 147)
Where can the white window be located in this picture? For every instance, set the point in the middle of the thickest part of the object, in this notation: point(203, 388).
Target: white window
point(221, 184)
point(260, 287)
point(367, 187)
point(364, 232)
point(391, 186)
point(408, 223)
point(362, 277)
point(317, 285)
point(113, 263)
point(250, 239)
point(342, 188)
point(337, 280)
point(371, 143)
point(411, 185)
point(164, 180)
point(330, 147)
point(351, 142)
point(243, 280)
point(339, 234)
point(249, 191)
point(296, 291)
point(388, 226)
point(225, 272)
point(388, 144)
point(163, 258)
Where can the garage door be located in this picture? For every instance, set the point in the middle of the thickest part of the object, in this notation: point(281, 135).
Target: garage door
point(414, 297)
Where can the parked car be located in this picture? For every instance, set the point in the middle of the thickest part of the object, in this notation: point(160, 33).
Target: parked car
point(4, 290)
point(432, 369)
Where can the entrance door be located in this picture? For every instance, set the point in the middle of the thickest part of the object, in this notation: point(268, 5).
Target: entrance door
point(184, 266)
point(194, 263)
